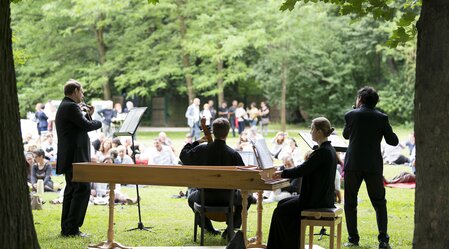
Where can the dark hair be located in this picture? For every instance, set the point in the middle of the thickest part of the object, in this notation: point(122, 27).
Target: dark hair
point(368, 96)
point(116, 141)
point(108, 158)
point(70, 87)
point(39, 152)
point(220, 128)
point(323, 125)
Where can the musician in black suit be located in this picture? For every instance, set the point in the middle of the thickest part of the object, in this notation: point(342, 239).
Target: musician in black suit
point(317, 189)
point(219, 154)
point(365, 127)
point(73, 146)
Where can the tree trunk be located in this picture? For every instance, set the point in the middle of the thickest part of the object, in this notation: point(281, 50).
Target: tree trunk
point(16, 218)
point(99, 31)
point(185, 55)
point(284, 72)
point(431, 126)
point(220, 84)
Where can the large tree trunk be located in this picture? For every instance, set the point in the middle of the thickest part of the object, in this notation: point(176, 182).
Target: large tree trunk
point(99, 31)
point(185, 56)
point(220, 84)
point(16, 219)
point(431, 126)
point(284, 72)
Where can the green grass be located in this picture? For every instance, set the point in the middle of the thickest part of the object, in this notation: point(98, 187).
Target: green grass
point(172, 219)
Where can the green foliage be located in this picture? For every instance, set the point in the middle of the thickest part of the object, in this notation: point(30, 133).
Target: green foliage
point(407, 10)
point(326, 57)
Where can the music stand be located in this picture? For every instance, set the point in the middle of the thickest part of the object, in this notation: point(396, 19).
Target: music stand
point(129, 128)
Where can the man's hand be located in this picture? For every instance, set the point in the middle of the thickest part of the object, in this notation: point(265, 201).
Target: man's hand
point(277, 175)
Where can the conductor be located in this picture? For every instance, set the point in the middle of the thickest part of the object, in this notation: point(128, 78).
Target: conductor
point(73, 147)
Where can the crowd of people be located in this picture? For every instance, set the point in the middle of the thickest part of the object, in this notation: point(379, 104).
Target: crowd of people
point(236, 114)
point(315, 178)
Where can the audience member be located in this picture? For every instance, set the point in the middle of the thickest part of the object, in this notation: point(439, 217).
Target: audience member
point(290, 150)
point(278, 143)
point(264, 118)
point(129, 106)
point(103, 152)
point(206, 113)
point(410, 142)
point(49, 148)
point(212, 110)
point(243, 144)
point(193, 118)
point(241, 116)
point(253, 113)
point(97, 142)
point(107, 114)
point(122, 157)
point(223, 111)
point(403, 177)
point(161, 155)
point(116, 142)
point(41, 170)
point(231, 116)
point(393, 154)
point(41, 118)
point(29, 157)
point(50, 111)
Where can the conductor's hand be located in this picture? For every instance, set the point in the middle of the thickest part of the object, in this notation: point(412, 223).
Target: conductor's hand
point(277, 175)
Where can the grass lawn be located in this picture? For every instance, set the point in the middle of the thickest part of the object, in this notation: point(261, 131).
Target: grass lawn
point(172, 219)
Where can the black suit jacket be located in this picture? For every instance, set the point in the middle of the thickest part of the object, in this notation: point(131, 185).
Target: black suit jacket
point(365, 127)
point(73, 141)
point(318, 178)
point(216, 153)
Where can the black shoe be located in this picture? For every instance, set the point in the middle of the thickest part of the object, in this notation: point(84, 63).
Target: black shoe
point(384, 245)
point(351, 244)
point(213, 231)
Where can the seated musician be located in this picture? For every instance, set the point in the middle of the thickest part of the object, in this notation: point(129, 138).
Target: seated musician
point(317, 189)
point(215, 153)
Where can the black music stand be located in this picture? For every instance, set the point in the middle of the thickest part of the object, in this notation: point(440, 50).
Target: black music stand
point(129, 128)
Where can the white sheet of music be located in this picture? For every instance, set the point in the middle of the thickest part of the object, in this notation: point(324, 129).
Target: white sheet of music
point(264, 154)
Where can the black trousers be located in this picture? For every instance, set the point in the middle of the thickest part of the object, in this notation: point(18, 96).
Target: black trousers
point(376, 192)
point(285, 224)
point(74, 205)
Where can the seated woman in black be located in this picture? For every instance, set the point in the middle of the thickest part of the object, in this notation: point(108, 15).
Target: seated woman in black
point(317, 189)
point(41, 170)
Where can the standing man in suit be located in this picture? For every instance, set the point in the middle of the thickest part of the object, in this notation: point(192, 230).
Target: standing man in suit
point(365, 127)
point(73, 147)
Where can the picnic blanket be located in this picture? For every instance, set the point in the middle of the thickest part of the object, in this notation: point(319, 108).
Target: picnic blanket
point(401, 185)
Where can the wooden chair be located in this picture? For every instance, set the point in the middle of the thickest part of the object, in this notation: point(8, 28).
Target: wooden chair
point(329, 217)
point(215, 213)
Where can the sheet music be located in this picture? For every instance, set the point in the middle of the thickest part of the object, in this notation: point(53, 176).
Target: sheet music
point(264, 153)
point(131, 122)
point(337, 142)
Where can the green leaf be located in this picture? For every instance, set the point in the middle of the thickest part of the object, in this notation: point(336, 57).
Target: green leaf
point(289, 5)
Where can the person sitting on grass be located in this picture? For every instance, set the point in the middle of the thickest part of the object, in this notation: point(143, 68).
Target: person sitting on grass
point(41, 170)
